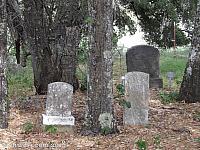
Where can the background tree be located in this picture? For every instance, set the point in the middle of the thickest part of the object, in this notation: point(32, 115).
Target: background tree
point(15, 24)
point(100, 112)
point(157, 17)
point(3, 82)
point(53, 29)
point(190, 87)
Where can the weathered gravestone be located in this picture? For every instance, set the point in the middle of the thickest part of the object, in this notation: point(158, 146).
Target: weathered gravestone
point(170, 77)
point(137, 93)
point(59, 105)
point(144, 58)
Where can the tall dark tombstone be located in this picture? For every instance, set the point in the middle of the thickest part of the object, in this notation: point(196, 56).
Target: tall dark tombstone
point(145, 58)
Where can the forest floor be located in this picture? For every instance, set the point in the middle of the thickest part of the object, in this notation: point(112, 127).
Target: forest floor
point(173, 126)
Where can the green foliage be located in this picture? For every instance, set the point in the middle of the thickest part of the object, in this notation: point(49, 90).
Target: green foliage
point(82, 76)
point(170, 63)
point(83, 50)
point(50, 129)
point(124, 22)
point(170, 97)
point(141, 144)
point(105, 130)
point(157, 141)
point(20, 82)
point(168, 37)
point(28, 127)
point(124, 103)
point(89, 20)
point(120, 96)
point(196, 116)
point(197, 140)
point(156, 18)
point(83, 83)
point(120, 89)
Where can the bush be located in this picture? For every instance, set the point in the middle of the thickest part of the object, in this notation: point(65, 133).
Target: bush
point(28, 127)
point(167, 98)
point(106, 130)
point(141, 144)
point(157, 141)
point(120, 96)
point(50, 128)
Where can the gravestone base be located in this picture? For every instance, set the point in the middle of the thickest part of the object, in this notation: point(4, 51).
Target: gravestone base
point(156, 83)
point(58, 120)
point(63, 124)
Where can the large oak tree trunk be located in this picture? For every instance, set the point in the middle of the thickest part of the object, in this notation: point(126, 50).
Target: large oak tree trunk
point(3, 83)
point(53, 37)
point(190, 87)
point(100, 94)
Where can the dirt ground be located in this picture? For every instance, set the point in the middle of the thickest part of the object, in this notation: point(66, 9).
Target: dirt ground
point(171, 127)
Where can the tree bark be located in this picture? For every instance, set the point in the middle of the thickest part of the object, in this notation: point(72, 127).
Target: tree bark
point(190, 87)
point(36, 28)
point(3, 82)
point(100, 92)
point(15, 24)
point(53, 37)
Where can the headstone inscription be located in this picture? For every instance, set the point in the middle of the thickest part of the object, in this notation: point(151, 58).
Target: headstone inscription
point(137, 93)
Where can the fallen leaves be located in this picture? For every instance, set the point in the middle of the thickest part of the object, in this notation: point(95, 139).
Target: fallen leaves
point(172, 125)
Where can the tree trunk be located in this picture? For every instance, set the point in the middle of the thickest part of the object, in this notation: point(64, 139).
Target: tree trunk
point(53, 41)
point(16, 28)
point(3, 82)
point(100, 94)
point(190, 87)
point(68, 61)
point(36, 29)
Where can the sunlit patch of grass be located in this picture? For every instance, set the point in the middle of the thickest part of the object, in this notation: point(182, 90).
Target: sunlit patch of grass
point(170, 63)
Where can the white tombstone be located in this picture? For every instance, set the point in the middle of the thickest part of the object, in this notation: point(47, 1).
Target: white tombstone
point(137, 93)
point(59, 105)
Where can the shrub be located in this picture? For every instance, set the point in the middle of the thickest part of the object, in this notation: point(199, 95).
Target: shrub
point(120, 96)
point(50, 129)
point(28, 127)
point(169, 97)
point(106, 130)
point(141, 144)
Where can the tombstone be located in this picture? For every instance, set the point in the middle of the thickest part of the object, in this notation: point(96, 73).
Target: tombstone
point(144, 58)
point(137, 93)
point(170, 77)
point(59, 105)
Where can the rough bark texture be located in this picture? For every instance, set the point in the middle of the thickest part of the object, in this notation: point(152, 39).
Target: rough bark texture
point(15, 24)
point(53, 36)
point(3, 83)
point(100, 64)
point(190, 87)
